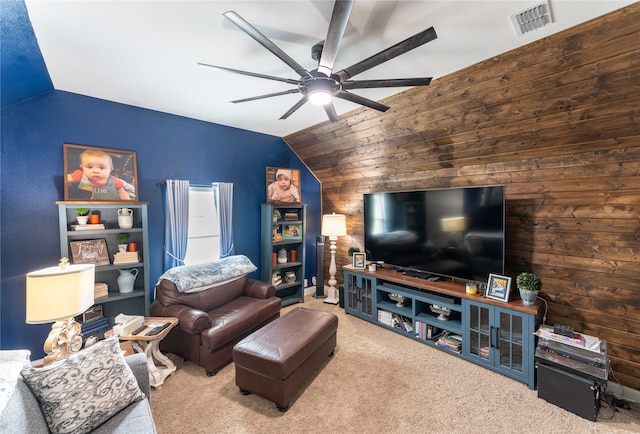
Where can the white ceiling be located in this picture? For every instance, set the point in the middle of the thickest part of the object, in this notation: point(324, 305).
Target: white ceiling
point(145, 53)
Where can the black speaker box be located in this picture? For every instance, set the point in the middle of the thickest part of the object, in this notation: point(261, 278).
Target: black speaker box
point(576, 394)
point(320, 267)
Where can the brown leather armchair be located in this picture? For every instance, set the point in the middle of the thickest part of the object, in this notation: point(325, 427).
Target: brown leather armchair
point(214, 320)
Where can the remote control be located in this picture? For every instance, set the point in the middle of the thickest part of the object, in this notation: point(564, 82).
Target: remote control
point(154, 331)
point(138, 330)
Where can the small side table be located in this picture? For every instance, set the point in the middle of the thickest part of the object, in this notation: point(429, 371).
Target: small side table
point(150, 346)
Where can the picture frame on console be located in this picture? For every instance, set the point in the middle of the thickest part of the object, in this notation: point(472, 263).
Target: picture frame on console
point(99, 174)
point(498, 287)
point(359, 261)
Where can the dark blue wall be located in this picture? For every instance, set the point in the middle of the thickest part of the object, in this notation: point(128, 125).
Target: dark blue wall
point(167, 147)
point(23, 73)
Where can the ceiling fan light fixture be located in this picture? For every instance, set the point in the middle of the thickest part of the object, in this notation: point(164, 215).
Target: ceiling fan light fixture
point(320, 97)
point(320, 90)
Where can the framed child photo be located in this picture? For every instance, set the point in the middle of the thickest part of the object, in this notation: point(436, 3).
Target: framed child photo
point(498, 287)
point(359, 260)
point(99, 174)
point(283, 185)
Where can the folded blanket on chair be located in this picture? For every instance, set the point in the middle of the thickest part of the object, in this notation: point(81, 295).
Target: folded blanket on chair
point(199, 277)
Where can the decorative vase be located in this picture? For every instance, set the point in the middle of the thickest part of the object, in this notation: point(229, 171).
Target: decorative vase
point(125, 218)
point(282, 256)
point(126, 280)
point(528, 297)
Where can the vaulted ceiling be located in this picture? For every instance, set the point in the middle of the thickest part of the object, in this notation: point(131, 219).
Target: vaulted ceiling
point(146, 54)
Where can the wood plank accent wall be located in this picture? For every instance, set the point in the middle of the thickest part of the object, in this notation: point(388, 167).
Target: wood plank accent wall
point(558, 123)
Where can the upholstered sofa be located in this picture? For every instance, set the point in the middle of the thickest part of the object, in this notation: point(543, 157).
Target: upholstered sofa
point(217, 305)
point(22, 413)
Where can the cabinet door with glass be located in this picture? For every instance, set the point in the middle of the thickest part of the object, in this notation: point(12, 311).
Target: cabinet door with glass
point(358, 295)
point(501, 339)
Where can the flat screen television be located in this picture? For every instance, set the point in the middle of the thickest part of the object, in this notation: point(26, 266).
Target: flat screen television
point(453, 232)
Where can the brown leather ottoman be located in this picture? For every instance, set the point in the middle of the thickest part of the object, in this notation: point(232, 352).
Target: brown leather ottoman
point(275, 361)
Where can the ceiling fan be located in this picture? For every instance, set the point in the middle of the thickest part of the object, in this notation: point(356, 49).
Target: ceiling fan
point(320, 85)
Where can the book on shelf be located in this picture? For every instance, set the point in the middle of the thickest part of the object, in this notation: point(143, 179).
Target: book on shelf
point(90, 227)
point(125, 257)
point(276, 278)
point(93, 321)
point(98, 331)
point(291, 216)
point(484, 352)
point(450, 344)
point(424, 330)
point(97, 324)
point(401, 322)
point(385, 317)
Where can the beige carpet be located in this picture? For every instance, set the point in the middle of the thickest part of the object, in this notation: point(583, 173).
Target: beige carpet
point(377, 382)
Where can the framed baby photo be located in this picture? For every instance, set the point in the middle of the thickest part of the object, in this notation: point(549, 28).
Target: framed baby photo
point(283, 185)
point(498, 287)
point(99, 174)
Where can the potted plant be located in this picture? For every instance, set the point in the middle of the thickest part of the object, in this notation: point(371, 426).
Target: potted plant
point(82, 215)
point(353, 250)
point(122, 242)
point(529, 285)
point(276, 215)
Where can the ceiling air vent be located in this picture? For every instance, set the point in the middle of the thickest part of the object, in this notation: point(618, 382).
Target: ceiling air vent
point(532, 18)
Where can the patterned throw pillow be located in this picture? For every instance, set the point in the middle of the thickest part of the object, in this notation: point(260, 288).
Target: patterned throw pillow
point(81, 392)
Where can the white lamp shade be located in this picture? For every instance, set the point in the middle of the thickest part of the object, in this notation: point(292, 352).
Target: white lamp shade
point(57, 293)
point(334, 225)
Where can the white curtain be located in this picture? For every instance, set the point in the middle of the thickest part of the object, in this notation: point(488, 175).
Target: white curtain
point(225, 209)
point(176, 222)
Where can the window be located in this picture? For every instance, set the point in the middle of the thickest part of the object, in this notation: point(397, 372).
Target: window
point(203, 243)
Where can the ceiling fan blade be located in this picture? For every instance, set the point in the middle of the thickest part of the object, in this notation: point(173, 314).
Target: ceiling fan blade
point(251, 74)
point(295, 107)
point(396, 82)
point(400, 48)
point(331, 112)
point(337, 26)
point(266, 43)
point(269, 95)
point(362, 101)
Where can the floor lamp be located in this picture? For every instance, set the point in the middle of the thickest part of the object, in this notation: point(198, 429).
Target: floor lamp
point(333, 226)
point(58, 294)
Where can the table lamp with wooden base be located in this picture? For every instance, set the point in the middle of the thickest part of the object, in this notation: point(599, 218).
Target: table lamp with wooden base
point(58, 294)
